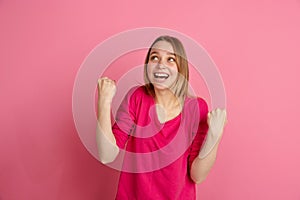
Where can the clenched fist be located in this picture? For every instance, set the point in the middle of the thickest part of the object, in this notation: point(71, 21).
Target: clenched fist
point(216, 121)
point(106, 90)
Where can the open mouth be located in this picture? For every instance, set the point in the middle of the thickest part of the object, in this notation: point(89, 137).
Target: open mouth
point(161, 75)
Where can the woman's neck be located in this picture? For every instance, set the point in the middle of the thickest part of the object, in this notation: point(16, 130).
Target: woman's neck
point(167, 99)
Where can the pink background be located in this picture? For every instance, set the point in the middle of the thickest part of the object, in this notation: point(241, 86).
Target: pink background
point(255, 44)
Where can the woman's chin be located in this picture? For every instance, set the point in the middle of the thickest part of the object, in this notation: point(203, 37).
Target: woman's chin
point(160, 87)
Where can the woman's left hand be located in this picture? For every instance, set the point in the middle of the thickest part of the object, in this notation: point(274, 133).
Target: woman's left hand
point(216, 120)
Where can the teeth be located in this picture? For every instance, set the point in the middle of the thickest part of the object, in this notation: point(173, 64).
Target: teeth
point(161, 75)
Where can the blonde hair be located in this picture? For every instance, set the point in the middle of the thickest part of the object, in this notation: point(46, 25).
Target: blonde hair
point(180, 87)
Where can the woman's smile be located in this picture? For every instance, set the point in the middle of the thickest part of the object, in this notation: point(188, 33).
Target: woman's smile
point(161, 75)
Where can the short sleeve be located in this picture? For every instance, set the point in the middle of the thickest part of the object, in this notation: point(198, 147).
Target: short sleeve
point(125, 119)
point(201, 132)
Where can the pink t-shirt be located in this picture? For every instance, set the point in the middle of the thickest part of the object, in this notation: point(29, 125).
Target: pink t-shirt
point(173, 147)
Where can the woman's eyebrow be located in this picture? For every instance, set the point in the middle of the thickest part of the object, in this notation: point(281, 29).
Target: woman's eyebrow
point(171, 54)
point(153, 52)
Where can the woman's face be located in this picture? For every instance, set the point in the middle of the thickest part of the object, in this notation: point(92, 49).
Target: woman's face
point(162, 68)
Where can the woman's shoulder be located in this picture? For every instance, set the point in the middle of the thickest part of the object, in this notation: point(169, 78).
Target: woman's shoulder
point(196, 104)
point(138, 93)
point(137, 90)
point(201, 101)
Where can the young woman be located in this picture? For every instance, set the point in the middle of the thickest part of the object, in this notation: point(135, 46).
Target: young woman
point(164, 102)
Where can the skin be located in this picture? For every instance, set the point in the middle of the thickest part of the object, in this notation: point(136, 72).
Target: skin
point(202, 165)
point(162, 60)
point(106, 142)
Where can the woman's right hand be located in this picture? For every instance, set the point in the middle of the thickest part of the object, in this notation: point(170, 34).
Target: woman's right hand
point(106, 90)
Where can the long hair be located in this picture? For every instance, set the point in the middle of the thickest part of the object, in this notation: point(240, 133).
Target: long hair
point(180, 88)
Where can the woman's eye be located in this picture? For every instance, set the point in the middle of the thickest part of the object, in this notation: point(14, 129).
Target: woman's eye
point(171, 59)
point(154, 58)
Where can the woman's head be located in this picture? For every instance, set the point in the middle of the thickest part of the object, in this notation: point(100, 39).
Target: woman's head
point(166, 66)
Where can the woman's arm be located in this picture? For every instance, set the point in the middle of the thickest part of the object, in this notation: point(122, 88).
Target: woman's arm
point(106, 142)
point(201, 167)
point(203, 163)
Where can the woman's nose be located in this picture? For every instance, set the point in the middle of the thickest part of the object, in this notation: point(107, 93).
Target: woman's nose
point(161, 63)
point(161, 66)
